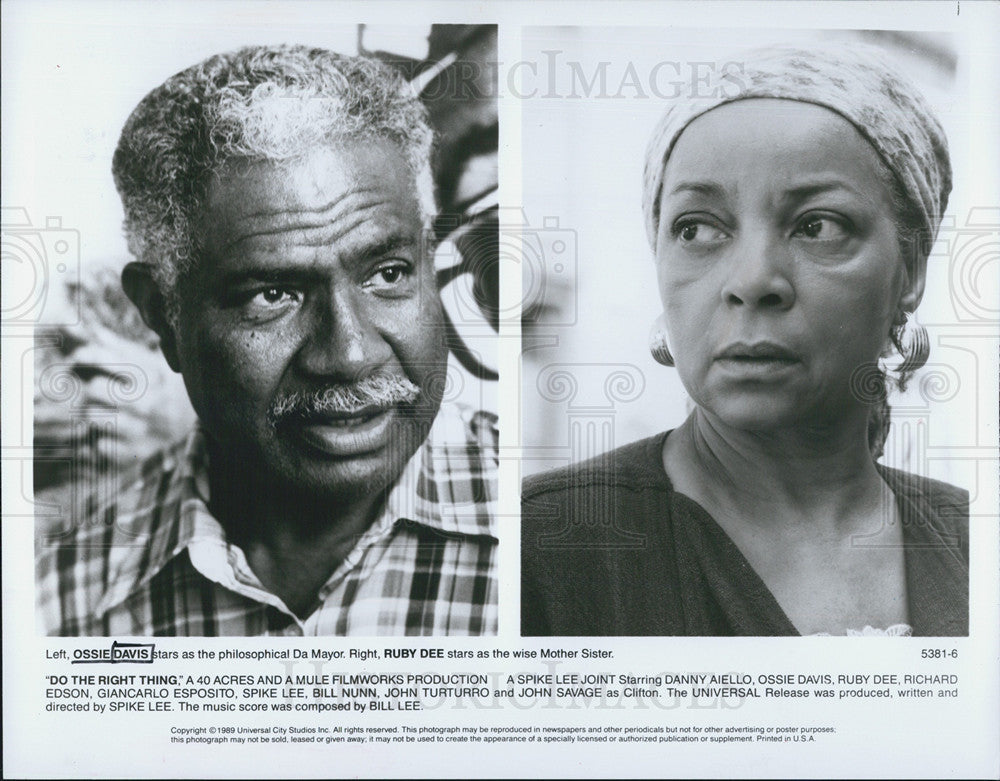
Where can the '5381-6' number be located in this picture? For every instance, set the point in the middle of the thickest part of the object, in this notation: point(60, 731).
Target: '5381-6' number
point(938, 653)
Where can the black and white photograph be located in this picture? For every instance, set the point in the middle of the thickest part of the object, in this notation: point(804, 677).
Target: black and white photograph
point(753, 371)
point(257, 416)
point(512, 389)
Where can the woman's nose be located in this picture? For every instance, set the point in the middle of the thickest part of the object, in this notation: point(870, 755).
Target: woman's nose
point(341, 342)
point(760, 275)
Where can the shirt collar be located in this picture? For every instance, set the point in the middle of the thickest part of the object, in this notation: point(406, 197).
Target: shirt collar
point(449, 485)
point(450, 482)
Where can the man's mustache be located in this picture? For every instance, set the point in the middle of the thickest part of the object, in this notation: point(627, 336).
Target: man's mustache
point(374, 391)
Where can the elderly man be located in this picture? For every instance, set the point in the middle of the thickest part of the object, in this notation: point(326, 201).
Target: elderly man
point(276, 202)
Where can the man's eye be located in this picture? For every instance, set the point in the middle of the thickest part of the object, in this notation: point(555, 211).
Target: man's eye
point(821, 228)
point(697, 232)
point(263, 303)
point(272, 296)
point(390, 275)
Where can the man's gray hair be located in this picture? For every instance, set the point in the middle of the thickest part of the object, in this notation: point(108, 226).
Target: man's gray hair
point(260, 103)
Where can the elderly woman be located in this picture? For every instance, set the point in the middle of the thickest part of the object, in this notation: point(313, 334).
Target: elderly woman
point(790, 215)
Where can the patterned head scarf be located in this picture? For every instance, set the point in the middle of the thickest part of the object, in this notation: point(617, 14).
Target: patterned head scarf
point(853, 81)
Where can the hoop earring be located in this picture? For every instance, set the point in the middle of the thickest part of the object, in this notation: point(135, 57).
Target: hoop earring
point(916, 347)
point(658, 342)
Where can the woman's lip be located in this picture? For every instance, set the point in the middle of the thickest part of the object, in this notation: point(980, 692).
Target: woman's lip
point(756, 369)
point(756, 361)
point(757, 351)
point(341, 436)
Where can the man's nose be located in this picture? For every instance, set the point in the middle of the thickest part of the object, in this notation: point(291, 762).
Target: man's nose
point(342, 343)
point(760, 273)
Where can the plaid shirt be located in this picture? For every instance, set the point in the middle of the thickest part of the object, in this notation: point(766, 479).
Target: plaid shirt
point(155, 562)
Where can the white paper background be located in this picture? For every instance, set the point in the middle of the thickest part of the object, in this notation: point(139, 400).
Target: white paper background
point(71, 73)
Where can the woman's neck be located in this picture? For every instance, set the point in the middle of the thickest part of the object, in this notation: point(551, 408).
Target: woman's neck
point(820, 473)
point(808, 511)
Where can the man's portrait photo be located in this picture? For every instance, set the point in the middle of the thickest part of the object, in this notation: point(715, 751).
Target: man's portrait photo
point(293, 215)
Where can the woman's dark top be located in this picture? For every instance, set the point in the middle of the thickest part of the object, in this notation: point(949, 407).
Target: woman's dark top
point(609, 548)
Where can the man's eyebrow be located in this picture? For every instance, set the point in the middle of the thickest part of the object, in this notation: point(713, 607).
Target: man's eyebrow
point(291, 271)
point(262, 273)
point(383, 245)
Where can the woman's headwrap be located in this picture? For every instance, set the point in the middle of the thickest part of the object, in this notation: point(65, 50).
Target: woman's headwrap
point(856, 83)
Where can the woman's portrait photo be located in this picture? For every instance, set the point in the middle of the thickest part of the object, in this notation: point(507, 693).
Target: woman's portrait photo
point(774, 458)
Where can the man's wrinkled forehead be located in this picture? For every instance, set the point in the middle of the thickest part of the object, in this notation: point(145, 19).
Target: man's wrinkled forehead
point(320, 198)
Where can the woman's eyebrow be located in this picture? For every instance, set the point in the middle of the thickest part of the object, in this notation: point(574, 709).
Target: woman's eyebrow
point(701, 188)
point(809, 189)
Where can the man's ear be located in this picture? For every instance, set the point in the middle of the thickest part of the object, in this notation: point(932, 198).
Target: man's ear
point(142, 290)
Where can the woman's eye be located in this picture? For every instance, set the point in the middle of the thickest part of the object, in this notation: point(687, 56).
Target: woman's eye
point(697, 232)
point(820, 228)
